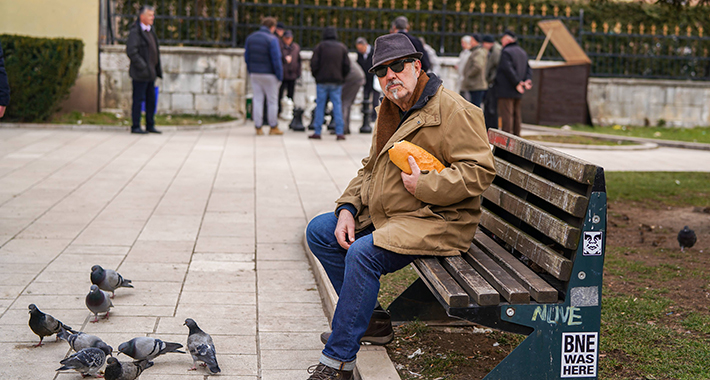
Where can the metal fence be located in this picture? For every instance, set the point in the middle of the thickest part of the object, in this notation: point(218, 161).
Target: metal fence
point(227, 23)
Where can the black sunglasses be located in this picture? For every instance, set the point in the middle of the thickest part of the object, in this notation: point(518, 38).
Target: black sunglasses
point(396, 66)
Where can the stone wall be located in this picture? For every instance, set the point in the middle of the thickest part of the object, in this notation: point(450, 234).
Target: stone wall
point(646, 102)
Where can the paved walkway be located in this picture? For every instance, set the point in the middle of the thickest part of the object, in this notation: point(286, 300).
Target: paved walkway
point(207, 224)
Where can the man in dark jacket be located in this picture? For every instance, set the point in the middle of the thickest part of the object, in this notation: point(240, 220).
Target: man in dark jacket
point(262, 53)
point(490, 103)
point(330, 65)
point(291, 53)
point(143, 50)
point(514, 76)
point(401, 25)
point(364, 59)
point(4, 85)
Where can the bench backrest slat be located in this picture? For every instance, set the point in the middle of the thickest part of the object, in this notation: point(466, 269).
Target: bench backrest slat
point(480, 291)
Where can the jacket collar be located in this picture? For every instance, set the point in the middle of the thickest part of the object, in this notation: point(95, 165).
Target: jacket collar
point(265, 29)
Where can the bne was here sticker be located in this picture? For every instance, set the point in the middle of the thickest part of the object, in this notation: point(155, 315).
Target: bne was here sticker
point(579, 354)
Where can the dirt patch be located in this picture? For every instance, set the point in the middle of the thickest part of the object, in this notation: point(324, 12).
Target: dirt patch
point(640, 241)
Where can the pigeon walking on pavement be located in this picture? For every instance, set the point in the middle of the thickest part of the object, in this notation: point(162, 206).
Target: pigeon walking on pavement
point(116, 370)
point(108, 279)
point(146, 348)
point(98, 301)
point(88, 361)
point(201, 347)
point(44, 324)
point(80, 340)
point(686, 238)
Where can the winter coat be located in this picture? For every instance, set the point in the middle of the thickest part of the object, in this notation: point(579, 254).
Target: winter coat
point(513, 68)
point(330, 62)
point(474, 73)
point(4, 84)
point(442, 217)
point(492, 63)
point(262, 53)
point(292, 71)
point(138, 50)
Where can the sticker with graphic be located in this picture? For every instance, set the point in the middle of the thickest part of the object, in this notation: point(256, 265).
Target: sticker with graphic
point(592, 243)
point(579, 354)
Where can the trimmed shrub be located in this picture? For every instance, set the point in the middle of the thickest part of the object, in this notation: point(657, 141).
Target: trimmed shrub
point(40, 71)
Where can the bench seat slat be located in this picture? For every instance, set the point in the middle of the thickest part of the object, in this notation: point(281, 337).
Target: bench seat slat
point(554, 263)
point(506, 285)
point(477, 287)
point(555, 228)
point(539, 289)
point(571, 167)
point(452, 293)
point(557, 195)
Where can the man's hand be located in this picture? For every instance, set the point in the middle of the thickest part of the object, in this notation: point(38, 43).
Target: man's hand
point(410, 180)
point(520, 87)
point(527, 84)
point(2, 111)
point(345, 229)
point(288, 59)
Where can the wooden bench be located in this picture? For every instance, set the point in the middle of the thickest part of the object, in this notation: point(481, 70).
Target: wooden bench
point(534, 267)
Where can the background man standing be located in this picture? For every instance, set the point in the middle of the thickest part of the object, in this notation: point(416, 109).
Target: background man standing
point(262, 53)
point(353, 82)
point(143, 50)
point(474, 73)
point(490, 105)
point(401, 25)
point(463, 58)
point(4, 85)
point(291, 53)
point(364, 59)
point(330, 65)
point(513, 78)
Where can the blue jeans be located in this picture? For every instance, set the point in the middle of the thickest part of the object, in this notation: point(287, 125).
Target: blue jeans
point(355, 275)
point(334, 92)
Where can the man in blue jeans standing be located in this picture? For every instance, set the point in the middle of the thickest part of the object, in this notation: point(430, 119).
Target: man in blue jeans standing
point(386, 218)
point(330, 65)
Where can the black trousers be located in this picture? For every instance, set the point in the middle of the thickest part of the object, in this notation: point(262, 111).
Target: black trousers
point(143, 92)
point(490, 109)
point(289, 86)
point(374, 97)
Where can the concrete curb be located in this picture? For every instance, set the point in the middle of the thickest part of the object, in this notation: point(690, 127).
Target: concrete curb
point(98, 127)
point(641, 146)
point(664, 143)
point(373, 363)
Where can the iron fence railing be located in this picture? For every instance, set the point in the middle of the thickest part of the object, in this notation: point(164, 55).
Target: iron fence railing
point(227, 23)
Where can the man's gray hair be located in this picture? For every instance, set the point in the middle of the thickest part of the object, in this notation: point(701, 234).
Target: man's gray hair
point(361, 41)
point(145, 8)
point(466, 39)
point(400, 23)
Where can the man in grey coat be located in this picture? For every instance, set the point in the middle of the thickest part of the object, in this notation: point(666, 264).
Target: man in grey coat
point(353, 82)
point(144, 52)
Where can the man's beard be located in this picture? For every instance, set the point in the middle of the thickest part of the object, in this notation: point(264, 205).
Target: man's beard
point(396, 90)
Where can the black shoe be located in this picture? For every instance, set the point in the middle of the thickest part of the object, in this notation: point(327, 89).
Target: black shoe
point(379, 332)
point(138, 131)
point(152, 130)
point(323, 372)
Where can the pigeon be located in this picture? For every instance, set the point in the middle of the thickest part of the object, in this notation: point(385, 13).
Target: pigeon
point(98, 302)
point(201, 347)
point(79, 340)
point(87, 361)
point(116, 370)
point(686, 238)
point(146, 348)
point(108, 279)
point(44, 324)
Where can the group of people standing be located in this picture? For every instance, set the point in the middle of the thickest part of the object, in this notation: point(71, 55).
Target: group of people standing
point(494, 76)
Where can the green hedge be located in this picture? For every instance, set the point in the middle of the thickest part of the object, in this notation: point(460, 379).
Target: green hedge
point(40, 71)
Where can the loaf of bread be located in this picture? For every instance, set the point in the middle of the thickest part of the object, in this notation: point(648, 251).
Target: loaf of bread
point(401, 151)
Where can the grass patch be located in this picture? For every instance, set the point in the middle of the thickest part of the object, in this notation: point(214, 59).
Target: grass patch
point(659, 189)
point(697, 134)
point(578, 140)
point(393, 284)
point(107, 118)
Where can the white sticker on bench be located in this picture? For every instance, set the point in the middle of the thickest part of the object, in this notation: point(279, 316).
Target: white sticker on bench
point(592, 243)
point(584, 296)
point(579, 354)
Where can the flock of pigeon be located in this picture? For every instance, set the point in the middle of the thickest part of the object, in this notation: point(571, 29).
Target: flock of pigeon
point(91, 352)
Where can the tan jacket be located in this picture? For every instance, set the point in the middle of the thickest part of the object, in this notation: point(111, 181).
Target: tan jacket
point(474, 73)
point(442, 218)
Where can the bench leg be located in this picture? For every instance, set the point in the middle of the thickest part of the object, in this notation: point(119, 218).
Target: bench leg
point(418, 303)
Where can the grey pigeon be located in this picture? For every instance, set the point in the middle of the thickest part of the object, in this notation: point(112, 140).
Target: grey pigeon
point(201, 347)
point(44, 324)
point(87, 361)
point(146, 348)
point(80, 340)
point(98, 302)
point(116, 370)
point(686, 238)
point(108, 279)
